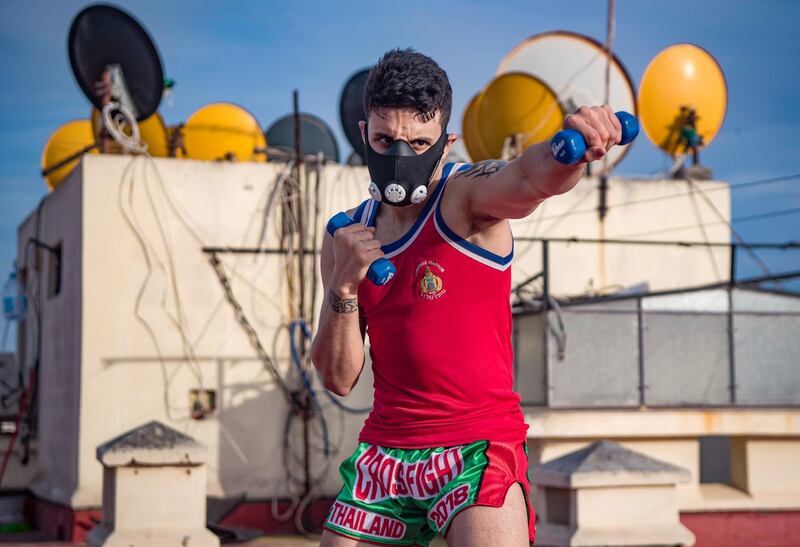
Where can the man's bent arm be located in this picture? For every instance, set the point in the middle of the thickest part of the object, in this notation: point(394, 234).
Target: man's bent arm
point(338, 347)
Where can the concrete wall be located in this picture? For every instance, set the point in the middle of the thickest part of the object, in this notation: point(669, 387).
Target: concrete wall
point(764, 451)
point(646, 210)
point(142, 318)
point(59, 221)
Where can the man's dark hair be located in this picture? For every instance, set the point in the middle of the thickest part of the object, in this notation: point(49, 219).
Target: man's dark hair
point(406, 78)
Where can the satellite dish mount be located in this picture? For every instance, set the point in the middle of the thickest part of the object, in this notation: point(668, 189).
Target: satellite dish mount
point(117, 66)
point(119, 111)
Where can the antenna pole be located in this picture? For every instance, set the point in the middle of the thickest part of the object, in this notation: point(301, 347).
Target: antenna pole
point(105, 137)
point(297, 147)
point(299, 212)
point(610, 29)
point(46, 171)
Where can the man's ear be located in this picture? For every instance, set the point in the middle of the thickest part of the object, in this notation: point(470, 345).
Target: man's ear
point(451, 139)
point(362, 125)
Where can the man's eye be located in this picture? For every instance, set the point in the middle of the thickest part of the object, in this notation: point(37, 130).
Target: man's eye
point(385, 141)
point(419, 143)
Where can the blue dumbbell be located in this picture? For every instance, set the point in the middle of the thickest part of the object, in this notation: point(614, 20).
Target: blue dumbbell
point(380, 271)
point(569, 147)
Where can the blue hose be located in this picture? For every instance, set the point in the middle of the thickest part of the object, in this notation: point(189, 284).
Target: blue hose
point(330, 395)
point(298, 364)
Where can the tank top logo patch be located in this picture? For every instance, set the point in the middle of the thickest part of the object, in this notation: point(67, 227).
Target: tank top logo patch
point(429, 280)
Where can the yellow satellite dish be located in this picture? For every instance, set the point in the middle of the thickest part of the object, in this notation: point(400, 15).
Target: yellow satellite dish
point(471, 130)
point(152, 131)
point(680, 80)
point(574, 67)
point(224, 131)
point(67, 140)
point(517, 105)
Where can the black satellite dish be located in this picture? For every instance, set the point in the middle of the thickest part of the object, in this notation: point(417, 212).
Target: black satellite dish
point(351, 110)
point(106, 45)
point(315, 136)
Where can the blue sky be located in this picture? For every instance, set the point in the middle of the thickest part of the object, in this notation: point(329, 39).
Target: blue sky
point(256, 53)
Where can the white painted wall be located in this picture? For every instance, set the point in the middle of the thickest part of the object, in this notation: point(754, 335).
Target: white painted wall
point(653, 208)
point(102, 373)
point(57, 447)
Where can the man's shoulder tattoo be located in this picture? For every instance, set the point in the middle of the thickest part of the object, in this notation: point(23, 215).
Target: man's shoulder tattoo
point(484, 168)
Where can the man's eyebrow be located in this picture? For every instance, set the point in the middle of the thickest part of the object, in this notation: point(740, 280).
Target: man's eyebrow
point(380, 135)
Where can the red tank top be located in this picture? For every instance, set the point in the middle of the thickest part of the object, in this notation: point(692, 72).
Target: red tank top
point(440, 338)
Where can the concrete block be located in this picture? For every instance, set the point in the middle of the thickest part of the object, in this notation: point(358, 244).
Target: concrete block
point(154, 490)
point(606, 494)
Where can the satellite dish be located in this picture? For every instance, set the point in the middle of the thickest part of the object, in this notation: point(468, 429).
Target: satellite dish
point(152, 132)
point(315, 136)
point(471, 129)
point(574, 67)
point(223, 131)
point(519, 106)
point(680, 79)
point(69, 140)
point(351, 110)
point(113, 58)
point(354, 160)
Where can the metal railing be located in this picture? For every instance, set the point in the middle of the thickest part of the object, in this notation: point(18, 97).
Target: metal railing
point(729, 343)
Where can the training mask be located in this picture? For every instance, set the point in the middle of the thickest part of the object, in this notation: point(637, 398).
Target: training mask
point(400, 177)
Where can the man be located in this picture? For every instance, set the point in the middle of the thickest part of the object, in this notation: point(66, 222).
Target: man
point(443, 449)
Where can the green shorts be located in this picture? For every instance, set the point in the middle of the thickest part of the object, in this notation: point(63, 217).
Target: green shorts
point(395, 496)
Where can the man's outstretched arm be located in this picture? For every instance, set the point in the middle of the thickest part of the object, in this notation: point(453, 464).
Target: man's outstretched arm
point(500, 190)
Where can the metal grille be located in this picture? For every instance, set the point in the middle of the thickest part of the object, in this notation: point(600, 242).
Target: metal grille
point(530, 377)
point(686, 359)
point(767, 350)
point(600, 364)
point(667, 350)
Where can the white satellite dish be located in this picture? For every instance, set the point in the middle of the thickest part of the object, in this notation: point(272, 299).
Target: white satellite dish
point(574, 67)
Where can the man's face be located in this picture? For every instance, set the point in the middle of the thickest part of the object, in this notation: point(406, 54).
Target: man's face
point(387, 125)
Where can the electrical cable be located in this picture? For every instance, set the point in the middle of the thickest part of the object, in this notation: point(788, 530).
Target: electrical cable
point(287, 450)
point(6, 330)
point(524, 250)
point(261, 241)
point(344, 407)
point(132, 225)
point(736, 235)
point(179, 319)
point(738, 220)
point(731, 187)
point(17, 424)
point(9, 391)
point(116, 117)
point(315, 236)
point(31, 416)
point(241, 318)
point(702, 228)
point(304, 377)
point(289, 236)
point(609, 47)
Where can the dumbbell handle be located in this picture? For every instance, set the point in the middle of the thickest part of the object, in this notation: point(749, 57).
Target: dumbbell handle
point(380, 271)
point(569, 147)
